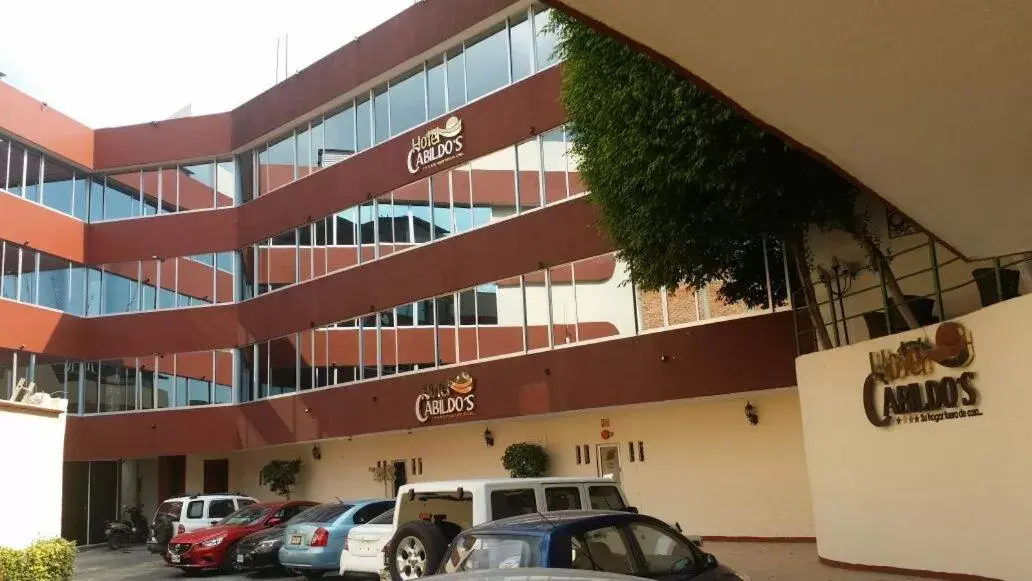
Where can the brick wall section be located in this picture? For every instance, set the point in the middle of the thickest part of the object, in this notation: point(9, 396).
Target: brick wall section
point(683, 307)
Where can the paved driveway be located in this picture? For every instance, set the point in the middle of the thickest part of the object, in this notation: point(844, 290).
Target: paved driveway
point(136, 564)
point(761, 561)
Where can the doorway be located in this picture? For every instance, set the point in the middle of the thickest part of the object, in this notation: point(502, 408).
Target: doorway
point(171, 476)
point(216, 476)
point(399, 476)
point(608, 457)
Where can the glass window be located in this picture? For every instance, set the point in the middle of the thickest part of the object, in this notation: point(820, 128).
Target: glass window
point(146, 387)
point(521, 46)
point(472, 552)
point(456, 78)
point(166, 387)
point(370, 511)
point(80, 188)
point(408, 101)
point(11, 262)
point(318, 142)
point(117, 386)
point(220, 508)
point(562, 498)
point(367, 224)
point(545, 41)
point(305, 165)
point(195, 509)
point(327, 513)
point(96, 196)
point(225, 184)
point(363, 123)
point(344, 226)
point(33, 165)
point(53, 282)
point(340, 136)
point(603, 549)
point(5, 167)
point(77, 290)
point(58, 187)
point(120, 196)
point(506, 503)
point(120, 292)
point(605, 498)
point(28, 279)
point(16, 169)
point(93, 292)
point(664, 553)
point(436, 88)
point(487, 304)
point(199, 391)
point(446, 310)
point(276, 165)
point(381, 114)
point(487, 63)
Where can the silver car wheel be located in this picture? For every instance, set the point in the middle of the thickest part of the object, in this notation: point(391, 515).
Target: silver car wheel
point(411, 558)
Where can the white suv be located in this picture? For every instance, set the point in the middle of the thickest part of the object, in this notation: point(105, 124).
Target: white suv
point(196, 511)
point(427, 515)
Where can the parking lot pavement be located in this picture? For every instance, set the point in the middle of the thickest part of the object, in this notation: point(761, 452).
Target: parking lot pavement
point(788, 561)
point(760, 561)
point(136, 564)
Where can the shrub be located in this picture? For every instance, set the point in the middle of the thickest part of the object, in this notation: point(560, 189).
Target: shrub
point(525, 460)
point(280, 476)
point(43, 560)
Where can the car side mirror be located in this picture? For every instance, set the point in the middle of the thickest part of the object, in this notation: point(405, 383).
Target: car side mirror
point(710, 561)
point(273, 522)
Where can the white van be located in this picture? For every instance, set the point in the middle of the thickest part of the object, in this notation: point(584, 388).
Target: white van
point(428, 515)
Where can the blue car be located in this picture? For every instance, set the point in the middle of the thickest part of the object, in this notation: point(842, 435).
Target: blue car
point(312, 544)
point(613, 542)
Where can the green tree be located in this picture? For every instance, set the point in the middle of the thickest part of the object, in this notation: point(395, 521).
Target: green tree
point(280, 476)
point(687, 187)
point(525, 460)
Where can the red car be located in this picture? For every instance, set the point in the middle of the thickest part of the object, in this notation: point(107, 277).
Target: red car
point(214, 548)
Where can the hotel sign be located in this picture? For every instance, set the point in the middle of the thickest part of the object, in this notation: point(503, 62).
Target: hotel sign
point(436, 146)
point(453, 398)
point(917, 397)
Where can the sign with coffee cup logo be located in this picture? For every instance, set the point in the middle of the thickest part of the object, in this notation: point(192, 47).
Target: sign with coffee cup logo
point(436, 146)
point(923, 398)
point(448, 399)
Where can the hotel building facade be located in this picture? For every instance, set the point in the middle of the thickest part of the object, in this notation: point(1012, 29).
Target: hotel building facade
point(306, 275)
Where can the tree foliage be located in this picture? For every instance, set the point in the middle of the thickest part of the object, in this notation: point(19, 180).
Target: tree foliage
point(280, 476)
point(686, 186)
point(525, 460)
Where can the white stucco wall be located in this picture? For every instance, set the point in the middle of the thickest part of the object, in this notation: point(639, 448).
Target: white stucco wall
point(32, 456)
point(951, 496)
point(705, 466)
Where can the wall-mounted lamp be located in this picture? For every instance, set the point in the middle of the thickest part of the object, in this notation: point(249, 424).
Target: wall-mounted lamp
point(316, 452)
point(488, 438)
point(750, 414)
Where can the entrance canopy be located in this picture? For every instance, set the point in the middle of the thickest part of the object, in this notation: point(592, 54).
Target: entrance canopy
point(927, 103)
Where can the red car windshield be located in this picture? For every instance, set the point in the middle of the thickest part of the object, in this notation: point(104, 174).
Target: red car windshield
point(245, 516)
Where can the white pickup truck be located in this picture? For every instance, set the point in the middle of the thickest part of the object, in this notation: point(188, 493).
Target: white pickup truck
point(428, 515)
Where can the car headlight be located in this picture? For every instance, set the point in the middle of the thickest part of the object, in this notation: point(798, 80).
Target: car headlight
point(268, 545)
point(213, 542)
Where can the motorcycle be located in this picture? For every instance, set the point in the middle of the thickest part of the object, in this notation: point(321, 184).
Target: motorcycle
point(122, 533)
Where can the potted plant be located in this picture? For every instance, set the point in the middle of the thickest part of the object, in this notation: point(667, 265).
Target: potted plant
point(280, 476)
point(525, 460)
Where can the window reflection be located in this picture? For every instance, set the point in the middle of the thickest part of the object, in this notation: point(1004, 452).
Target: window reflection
point(408, 101)
point(521, 46)
point(487, 60)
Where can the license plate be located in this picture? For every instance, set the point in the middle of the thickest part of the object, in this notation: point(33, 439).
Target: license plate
point(240, 558)
point(175, 558)
point(295, 539)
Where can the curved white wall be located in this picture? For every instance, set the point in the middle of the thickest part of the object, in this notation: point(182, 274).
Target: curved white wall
point(951, 496)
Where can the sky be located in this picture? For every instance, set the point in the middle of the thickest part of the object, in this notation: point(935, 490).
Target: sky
point(117, 62)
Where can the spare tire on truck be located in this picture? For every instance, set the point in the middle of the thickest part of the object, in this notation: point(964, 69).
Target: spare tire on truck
point(416, 550)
